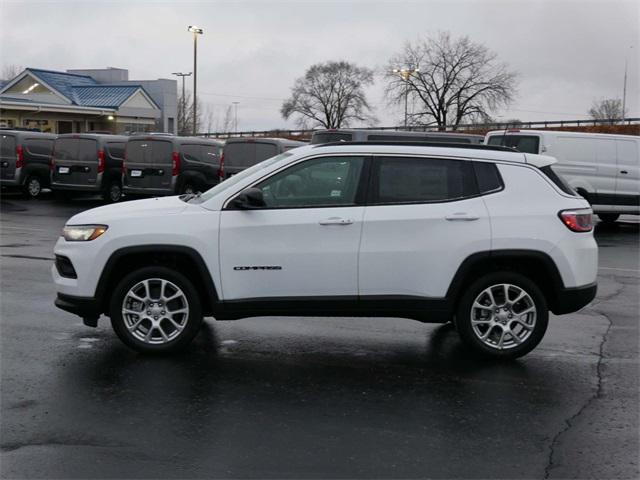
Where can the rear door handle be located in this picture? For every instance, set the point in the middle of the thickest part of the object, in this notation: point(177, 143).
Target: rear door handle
point(624, 172)
point(336, 221)
point(461, 217)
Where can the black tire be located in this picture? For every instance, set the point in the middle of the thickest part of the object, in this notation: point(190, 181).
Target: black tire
point(608, 217)
point(32, 187)
point(112, 192)
point(191, 324)
point(464, 316)
point(188, 187)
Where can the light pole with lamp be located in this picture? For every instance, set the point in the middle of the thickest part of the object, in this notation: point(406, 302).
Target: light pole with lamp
point(405, 74)
point(184, 100)
point(196, 31)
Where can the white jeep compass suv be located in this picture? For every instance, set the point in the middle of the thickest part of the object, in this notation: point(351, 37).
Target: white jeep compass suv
point(487, 238)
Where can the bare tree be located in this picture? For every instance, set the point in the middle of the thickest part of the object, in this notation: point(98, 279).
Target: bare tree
point(185, 114)
point(457, 79)
point(606, 109)
point(10, 71)
point(330, 95)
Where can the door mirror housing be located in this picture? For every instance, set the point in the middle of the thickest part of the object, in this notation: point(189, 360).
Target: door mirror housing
point(248, 199)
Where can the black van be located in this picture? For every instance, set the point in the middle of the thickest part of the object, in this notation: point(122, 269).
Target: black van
point(88, 162)
point(355, 135)
point(241, 153)
point(24, 160)
point(169, 165)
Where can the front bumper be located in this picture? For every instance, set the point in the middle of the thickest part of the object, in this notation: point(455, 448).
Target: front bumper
point(570, 300)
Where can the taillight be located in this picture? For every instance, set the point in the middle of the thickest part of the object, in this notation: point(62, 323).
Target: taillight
point(221, 168)
point(19, 157)
point(123, 167)
point(577, 220)
point(100, 161)
point(176, 164)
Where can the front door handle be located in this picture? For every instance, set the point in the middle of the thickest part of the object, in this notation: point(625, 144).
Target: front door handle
point(336, 221)
point(461, 217)
point(624, 172)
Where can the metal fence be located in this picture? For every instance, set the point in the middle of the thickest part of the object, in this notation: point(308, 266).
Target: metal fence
point(302, 134)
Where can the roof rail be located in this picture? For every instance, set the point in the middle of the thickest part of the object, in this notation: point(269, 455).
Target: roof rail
point(421, 144)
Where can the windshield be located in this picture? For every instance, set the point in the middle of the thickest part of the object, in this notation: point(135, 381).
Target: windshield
point(230, 182)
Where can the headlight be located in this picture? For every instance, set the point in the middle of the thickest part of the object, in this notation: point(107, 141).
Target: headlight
point(83, 233)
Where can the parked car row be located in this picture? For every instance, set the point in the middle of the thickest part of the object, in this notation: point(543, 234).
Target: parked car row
point(113, 165)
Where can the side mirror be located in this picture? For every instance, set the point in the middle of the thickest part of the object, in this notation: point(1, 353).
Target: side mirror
point(248, 199)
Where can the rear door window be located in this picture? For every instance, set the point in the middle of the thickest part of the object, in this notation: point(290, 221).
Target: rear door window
point(116, 150)
point(138, 151)
point(7, 146)
point(264, 151)
point(192, 152)
point(162, 152)
point(66, 149)
point(328, 137)
point(39, 146)
point(421, 180)
point(522, 143)
point(210, 153)
point(87, 150)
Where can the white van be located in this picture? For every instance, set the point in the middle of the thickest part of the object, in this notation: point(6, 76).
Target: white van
point(604, 169)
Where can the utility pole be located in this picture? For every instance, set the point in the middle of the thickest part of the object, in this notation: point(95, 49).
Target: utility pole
point(405, 74)
point(182, 118)
point(235, 107)
point(196, 31)
point(624, 91)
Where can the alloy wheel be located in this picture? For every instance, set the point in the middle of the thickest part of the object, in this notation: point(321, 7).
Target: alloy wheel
point(503, 316)
point(155, 311)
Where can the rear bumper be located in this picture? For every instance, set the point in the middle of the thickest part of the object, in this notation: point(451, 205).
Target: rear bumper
point(85, 307)
point(74, 187)
point(148, 191)
point(573, 299)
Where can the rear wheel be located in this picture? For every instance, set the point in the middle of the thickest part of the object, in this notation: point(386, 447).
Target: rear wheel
point(32, 186)
point(608, 217)
point(113, 192)
point(502, 315)
point(187, 187)
point(156, 310)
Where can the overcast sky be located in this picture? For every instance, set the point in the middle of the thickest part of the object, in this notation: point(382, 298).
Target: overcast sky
point(567, 53)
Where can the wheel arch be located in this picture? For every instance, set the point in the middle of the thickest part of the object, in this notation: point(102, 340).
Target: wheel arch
point(536, 265)
point(185, 260)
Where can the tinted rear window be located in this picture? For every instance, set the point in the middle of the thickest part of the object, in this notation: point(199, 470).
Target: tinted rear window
point(264, 151)
point(210, 153)
point(161, 152)
point(116, 150)
point(87, 150)
point(522, 143)
point(66, 148)
point(138, 151)
point(239, 154)
point(39, 146)
point(328, 137)
point(422, 180)
point(7, 145)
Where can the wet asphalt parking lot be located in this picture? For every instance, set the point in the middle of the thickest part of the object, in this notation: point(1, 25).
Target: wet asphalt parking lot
point(310, 397)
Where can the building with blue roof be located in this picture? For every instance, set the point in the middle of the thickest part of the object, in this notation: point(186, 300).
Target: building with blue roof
point(88, 100)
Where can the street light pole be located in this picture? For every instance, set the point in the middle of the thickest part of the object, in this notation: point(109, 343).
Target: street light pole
point(235, 106)
point(196, 31)
point(405, 74)
point(183, 113)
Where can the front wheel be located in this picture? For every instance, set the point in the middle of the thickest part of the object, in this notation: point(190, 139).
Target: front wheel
point(156, 310)
point(502, 315)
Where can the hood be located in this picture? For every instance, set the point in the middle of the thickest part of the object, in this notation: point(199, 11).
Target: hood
point(151, 207)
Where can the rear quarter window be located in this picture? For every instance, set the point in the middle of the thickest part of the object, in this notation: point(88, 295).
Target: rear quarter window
point(558, 180)
point(116, 150)
point(488, 177)
point(192, 152)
